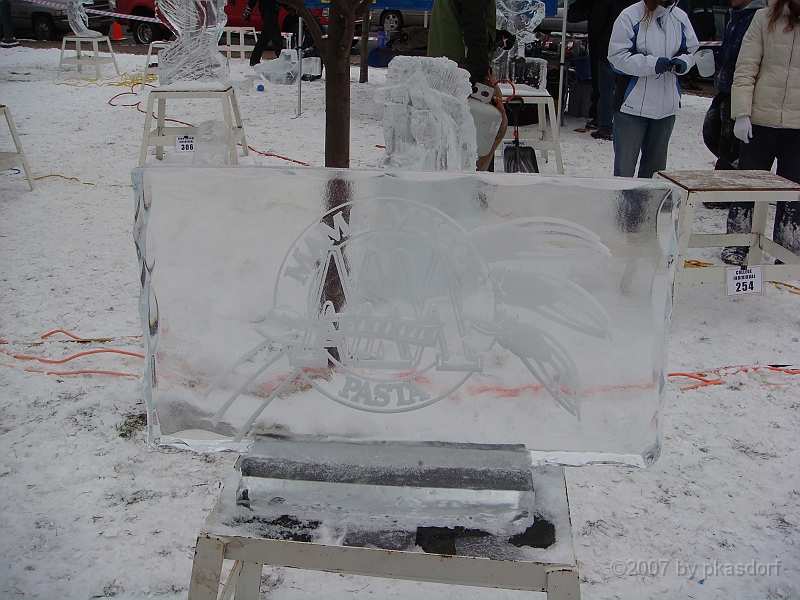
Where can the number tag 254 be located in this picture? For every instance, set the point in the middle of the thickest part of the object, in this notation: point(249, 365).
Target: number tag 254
point(746, 280)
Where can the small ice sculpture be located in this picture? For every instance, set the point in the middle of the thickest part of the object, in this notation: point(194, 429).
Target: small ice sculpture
point(282, 70)
point(520, 17)
point(194, 55)
point(285, 69)
point(211, 144)
point(79, 21)
point(427, 124)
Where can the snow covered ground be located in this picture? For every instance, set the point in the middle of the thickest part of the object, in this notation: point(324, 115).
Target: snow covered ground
point(86, 513)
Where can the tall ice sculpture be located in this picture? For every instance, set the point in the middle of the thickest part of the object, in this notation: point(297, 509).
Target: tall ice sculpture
point(194, 55)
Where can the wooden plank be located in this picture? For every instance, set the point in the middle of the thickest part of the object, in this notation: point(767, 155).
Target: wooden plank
point(436, 568)
point(729, 181)
point(206, 568)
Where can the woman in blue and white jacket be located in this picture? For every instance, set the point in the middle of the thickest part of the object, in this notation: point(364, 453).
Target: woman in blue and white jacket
point(651, 44)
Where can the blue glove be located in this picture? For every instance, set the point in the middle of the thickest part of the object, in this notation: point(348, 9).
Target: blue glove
point(662, 65)
point(246, 14)
point(679, 66)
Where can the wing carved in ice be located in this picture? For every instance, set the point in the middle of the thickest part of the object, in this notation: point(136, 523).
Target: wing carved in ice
point(194, 55)
point(520, 18)
point(416, 295)
point(79, 21)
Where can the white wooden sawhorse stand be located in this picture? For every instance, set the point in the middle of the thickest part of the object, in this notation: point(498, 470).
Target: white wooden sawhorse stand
point(538, 138)
point(216, 543)
point(9, 160)
point(86, 59)
point(229, 47)
point(163, 135)
point(760, 187)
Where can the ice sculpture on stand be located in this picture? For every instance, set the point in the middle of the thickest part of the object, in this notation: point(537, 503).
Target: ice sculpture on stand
point(427, 123)
point(198, 25)
point(520, 18)
point(79, 21)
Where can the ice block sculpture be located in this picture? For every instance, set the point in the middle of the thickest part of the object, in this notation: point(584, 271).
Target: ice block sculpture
point(211, 144)
point(79, 21)
point(417, 307)
point(427, 124)
point(194, 55)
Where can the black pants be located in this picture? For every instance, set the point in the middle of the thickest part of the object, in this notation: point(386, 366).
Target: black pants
point(270, 31)
point(767, 145)
point(718, 133)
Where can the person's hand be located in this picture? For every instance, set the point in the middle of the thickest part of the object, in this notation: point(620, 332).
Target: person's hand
point(246, 14)
point(662, 65)
point(679, 66)
point(743, 128)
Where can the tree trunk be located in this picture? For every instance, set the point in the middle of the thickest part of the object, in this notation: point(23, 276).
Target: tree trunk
point(337, 89)
point(366, 26)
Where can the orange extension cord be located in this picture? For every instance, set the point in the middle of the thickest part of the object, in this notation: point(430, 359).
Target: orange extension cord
point(74, 356)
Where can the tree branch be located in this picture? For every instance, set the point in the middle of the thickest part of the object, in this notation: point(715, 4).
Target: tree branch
point(362, 5)
point(311, 23)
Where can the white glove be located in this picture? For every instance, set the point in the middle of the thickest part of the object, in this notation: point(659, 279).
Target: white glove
point(743, 128)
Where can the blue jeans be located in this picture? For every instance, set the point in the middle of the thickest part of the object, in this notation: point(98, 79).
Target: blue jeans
point(607, 83)
point(634, 135)
point(767, 145)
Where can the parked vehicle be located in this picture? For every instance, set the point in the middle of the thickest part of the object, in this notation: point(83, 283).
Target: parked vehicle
point(393, 15)
point(49, 22)
point(145, 32)
point(554, 23)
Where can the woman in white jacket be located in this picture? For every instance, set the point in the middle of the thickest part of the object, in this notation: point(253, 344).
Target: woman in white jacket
point(765, 101)
point(651, 44)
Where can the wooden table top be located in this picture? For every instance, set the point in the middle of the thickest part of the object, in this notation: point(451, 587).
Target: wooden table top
point(729, 181)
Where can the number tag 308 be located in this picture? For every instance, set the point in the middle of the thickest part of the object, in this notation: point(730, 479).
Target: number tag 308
point(745, 280)
point(184, 143)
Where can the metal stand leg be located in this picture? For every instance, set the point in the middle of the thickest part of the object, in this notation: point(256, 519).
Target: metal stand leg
point(554, 127)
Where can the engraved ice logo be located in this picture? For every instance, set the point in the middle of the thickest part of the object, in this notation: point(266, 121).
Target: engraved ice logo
point(397, 305)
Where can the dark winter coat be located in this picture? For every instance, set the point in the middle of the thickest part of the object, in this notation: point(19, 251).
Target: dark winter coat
point(464, 31)
point(601, 23)
point(738, 22)
point(264, 6)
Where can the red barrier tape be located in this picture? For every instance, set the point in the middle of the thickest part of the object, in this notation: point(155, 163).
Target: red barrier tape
point(63, 6)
